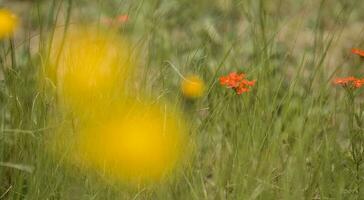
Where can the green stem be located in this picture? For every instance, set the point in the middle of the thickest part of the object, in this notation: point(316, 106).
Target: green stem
point(354, 148)
point(12, 53)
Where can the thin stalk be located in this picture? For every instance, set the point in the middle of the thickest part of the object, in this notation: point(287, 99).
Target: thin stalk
point(355, 152)
point(12, 53)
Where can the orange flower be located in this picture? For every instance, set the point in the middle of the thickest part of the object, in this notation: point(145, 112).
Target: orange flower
point(117, 21)
point(237, 82)
point(122, 18)
point(349, 82)
point(232, 80)
point(358, 52)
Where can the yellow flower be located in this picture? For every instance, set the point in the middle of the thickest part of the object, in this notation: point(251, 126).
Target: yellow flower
point(8, 23)
point(137, 143)
point(192, 87)
point(89, 66)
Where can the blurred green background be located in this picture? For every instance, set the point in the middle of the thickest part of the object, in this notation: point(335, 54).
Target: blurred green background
point(287, 139)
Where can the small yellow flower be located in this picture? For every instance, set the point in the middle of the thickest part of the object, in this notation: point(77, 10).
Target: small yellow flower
point(192, 87)
point(8, 23)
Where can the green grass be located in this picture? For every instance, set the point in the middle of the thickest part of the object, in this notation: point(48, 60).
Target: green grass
point(289, 138)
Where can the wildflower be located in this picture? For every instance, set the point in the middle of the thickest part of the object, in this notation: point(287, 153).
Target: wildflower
point(137, 143)
point(358, 52)
point(122, 18)
point(92, 64)
point(117, 21)
point(192, 87)
point(8, 23)
point(237, 82)
point(232, 80)
point(349, 82)
point(244, 86)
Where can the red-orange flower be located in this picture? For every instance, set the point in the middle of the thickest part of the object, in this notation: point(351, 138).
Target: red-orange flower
point(117, 21)
point(358, 52)
point(122, 18)
point(232, 80)
point(237, 82)
point(350, 82)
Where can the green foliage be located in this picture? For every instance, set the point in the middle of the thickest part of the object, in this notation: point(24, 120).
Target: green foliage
point(289, 138)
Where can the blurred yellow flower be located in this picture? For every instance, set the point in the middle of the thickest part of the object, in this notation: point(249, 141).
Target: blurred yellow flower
point(122, 138)
point(8, 23)
point(89, 66)
point(137, 143)
point(192, 87)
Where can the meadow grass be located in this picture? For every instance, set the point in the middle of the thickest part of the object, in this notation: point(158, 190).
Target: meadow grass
point(289, 138)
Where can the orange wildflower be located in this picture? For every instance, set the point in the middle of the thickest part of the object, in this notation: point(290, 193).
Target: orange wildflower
point(232, 80)
point(349, 82)
point(117, 21)
point(237, 82)
point(122, 18)
point(358, 52)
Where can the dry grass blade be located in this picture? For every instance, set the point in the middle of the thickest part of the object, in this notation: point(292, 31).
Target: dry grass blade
point(21, 167)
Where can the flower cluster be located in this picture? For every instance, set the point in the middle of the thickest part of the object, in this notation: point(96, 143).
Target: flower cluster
point(237, 82)
point(117, 21)
point(349, 82)
point(358, 52)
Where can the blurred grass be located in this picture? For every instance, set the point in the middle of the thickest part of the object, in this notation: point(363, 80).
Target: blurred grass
point(287, 139)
